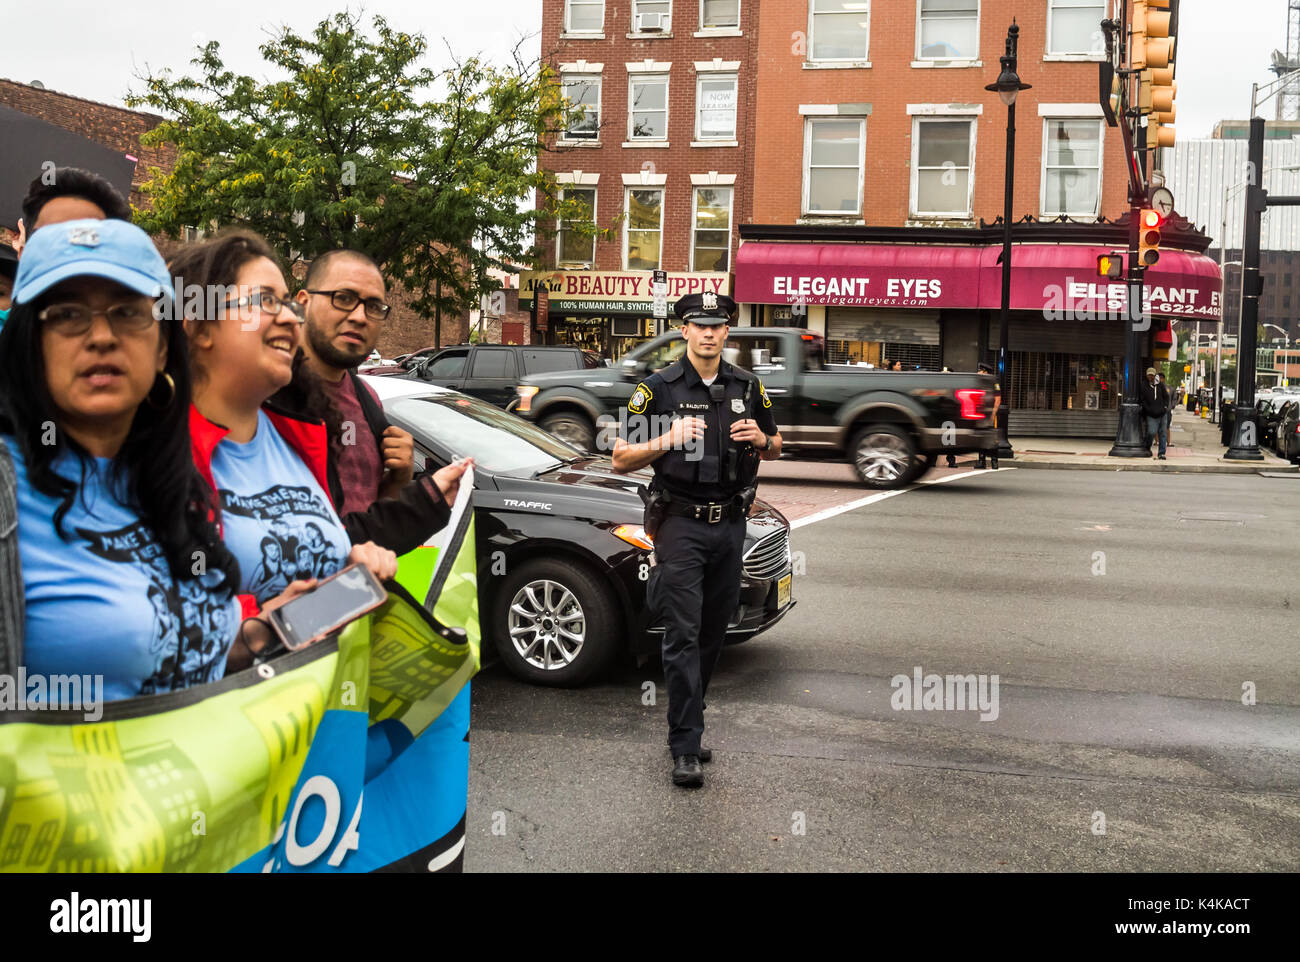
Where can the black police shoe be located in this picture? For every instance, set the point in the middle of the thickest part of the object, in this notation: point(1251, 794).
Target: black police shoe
point(706, 755)
point(687, 772)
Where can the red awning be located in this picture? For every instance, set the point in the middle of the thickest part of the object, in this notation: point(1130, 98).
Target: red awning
point(1059, 280)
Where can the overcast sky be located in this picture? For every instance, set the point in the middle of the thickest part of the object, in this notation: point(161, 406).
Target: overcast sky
point(93, 49)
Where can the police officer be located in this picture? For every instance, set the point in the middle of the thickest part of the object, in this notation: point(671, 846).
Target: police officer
point(703, 424)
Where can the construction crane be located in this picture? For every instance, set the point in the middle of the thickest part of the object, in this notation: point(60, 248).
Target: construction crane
point(1288, 99)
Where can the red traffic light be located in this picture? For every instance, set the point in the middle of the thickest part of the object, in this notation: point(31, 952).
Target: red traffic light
point(1150, 218)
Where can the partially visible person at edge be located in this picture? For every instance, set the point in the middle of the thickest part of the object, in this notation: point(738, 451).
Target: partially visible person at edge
point(8, 268)
point(981, 464)
point(98, 577)
point(63, 194)
point(268, 468)
point(344, 312)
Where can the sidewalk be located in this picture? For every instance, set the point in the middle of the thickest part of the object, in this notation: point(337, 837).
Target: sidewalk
point(1194, 446)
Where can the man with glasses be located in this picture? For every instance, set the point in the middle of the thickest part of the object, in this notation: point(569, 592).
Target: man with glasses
point(344, 309)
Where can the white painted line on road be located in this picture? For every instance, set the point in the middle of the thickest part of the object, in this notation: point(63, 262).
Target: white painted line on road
point(872, 499)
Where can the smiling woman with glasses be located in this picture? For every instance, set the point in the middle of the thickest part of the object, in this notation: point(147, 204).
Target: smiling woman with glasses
point(98, 577)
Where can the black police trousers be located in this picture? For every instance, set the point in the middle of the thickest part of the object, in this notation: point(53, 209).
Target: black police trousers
point(693, 590)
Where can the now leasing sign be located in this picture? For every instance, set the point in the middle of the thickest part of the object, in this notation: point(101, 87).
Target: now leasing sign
point(613, 292)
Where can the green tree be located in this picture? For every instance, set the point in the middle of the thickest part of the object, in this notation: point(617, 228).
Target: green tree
point(350, 149)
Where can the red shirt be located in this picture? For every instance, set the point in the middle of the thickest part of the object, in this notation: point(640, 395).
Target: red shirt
point(360, 466)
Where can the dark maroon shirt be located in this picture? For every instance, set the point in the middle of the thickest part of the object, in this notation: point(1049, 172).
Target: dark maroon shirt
point(360, 466)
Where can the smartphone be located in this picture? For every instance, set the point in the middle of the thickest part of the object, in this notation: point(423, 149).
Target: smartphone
point(334, 602)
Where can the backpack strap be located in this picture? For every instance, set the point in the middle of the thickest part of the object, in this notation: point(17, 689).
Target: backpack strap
point(13, 613)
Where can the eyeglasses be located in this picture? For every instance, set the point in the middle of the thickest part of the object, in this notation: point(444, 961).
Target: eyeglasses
point(269, 303)
point(346, 300)
point(73, 320)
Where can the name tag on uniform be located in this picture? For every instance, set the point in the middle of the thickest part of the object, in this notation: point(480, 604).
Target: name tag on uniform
point(737, 405)
point(692, 406)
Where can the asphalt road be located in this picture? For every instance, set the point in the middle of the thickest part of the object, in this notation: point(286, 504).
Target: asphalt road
point(1122, 614)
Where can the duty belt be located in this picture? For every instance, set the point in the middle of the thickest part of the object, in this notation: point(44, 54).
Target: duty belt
point(711, 512)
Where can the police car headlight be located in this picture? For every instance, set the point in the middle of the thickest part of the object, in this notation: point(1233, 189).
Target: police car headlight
point(634, 535)
point(526, 394)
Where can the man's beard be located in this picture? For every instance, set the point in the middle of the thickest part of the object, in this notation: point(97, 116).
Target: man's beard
point(327, 352)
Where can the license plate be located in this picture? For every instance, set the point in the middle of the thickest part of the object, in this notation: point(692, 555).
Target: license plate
point(783, 591)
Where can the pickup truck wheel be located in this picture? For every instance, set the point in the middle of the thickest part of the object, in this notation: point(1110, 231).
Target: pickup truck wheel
point(921, 466)
point(885, 457)
point(573, 429)
point(554, 623)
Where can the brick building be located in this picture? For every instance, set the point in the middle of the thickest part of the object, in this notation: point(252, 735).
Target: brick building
point(664, 155)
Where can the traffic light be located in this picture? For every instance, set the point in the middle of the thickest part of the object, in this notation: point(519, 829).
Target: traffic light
point(1153, 27)
point(1148, 238)
point(1110, 266)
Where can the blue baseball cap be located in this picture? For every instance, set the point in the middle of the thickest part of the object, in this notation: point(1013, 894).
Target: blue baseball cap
point(113, 249)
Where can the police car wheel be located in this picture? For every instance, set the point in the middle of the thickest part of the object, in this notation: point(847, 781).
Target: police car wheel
point(554, 623)
point(574, 429)
point(884, 456)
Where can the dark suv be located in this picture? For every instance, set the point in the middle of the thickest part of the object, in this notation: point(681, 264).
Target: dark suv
point(491, 371)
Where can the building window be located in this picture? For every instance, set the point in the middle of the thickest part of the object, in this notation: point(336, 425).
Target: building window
point(1074, 26)
point(833, 160)
point(719, 14)
point(576, 246)
point(715, 107)
point(711, 241)
point(648, 108)
point(840, 29)
point(584, 16)
point(644, 230)
point(1072, 168)
point(652, 16)
point(583, 90)
point(948, 30)
point(943, 152)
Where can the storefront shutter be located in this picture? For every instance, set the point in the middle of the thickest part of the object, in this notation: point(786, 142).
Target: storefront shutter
point(882, 324)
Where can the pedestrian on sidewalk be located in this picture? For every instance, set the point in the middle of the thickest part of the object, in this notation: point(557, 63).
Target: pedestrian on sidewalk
point(1154, 398)
point(997, 404)
point(952, 461)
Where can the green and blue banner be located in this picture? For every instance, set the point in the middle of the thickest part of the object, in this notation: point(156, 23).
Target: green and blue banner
point(347, 756)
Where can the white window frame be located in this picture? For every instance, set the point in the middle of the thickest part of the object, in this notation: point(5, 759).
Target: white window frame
point(702, 78)
point(599, 79)
point(1082, 116)
point(627, 220)
point(695, 209)
point(914, 192)
point(812, 22)
point(736, 26)
point(979, 13)
point(1050, 54)
point(632, 80)
point(809, 122)
point(636, 31)
point(568, 9)
point(559, 227)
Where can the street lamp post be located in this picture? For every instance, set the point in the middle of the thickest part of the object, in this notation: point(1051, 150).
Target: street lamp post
point(1007, 87)
point(1217, 406)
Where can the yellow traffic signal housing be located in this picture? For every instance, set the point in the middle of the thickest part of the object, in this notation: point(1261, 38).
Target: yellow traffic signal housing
point(1151, 44)
point(1148, 238)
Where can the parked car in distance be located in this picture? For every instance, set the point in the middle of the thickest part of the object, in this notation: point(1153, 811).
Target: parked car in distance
point(1268, 410)
point(1286, 435)
point(491, 371)
point(562, 555)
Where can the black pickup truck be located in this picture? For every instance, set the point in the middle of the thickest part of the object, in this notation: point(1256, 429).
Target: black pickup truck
point(890, 425)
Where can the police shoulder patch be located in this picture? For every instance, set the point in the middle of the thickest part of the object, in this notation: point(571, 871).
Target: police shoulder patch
point(639, 399)
point(767, 401)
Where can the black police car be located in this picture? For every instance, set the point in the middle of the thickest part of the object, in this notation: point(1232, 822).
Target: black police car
point(562, 556)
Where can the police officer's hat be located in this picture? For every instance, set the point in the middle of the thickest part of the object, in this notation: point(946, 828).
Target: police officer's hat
point(706, 308)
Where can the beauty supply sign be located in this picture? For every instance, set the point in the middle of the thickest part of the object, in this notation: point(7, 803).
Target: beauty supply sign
point(613, 292)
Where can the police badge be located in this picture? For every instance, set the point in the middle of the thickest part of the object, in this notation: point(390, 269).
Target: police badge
point(737, 405)
point(709, 301)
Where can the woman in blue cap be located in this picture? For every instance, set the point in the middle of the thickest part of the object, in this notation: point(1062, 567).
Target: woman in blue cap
point(99, 499)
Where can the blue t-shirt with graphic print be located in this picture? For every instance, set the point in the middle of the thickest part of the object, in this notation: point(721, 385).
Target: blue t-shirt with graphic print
point(275, 518)
point(103, 601)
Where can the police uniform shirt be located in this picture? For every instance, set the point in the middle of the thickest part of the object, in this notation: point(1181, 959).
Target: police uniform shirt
point(696, 471)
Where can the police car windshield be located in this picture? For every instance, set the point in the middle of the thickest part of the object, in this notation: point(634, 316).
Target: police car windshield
point(499, 443)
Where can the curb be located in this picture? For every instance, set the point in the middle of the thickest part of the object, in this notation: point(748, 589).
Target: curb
point(1122, 464)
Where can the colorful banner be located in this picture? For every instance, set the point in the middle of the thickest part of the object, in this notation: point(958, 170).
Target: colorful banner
point(350, 756)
